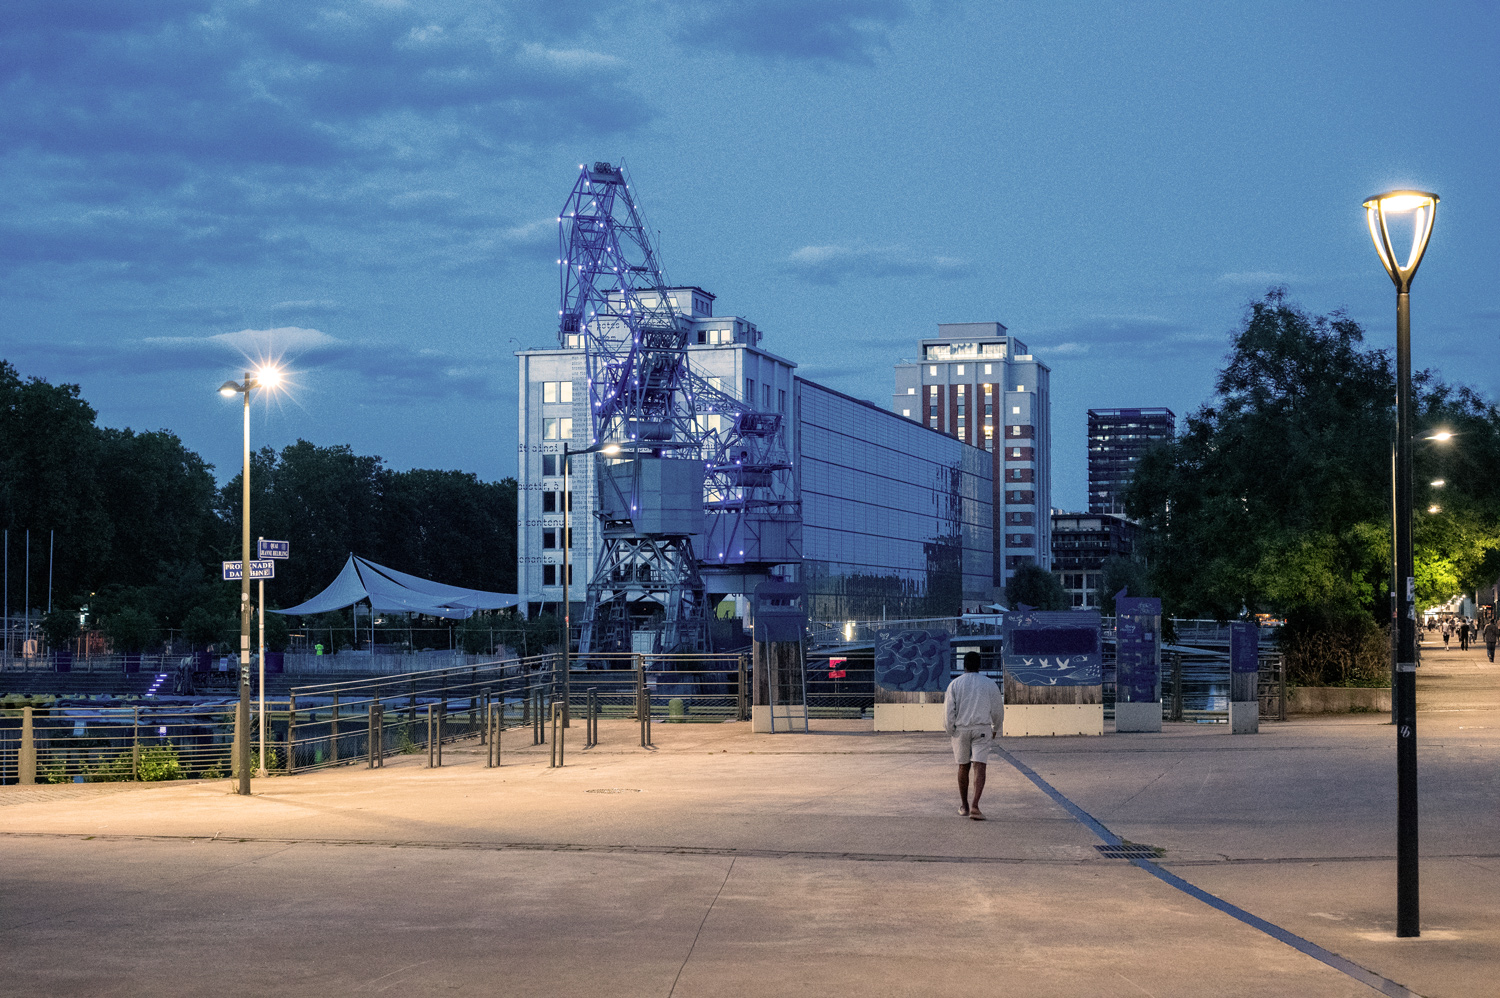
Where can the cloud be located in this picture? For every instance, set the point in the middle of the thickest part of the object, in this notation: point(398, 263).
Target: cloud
point(1256, 278)
point(1145, 332)
point(832, 264)
point(394, 369)
point(157, 137)
point(829, 31)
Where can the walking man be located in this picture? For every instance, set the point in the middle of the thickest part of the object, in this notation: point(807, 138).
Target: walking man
point(1490, 633)
point(975, 714)
point(1463, 635)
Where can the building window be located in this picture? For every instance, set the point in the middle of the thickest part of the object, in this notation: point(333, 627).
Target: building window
point(960, 370)
point(549, 464)
point(549, 539)
point(750, 390)
point(549, 502)
point(932, 370)
point(549, 575)
point(1020, 388)
point(1015, 410)
point(906, 413)
point(766, 389)
point(911, 391)
point(549, 428)
point(557, 391)
point(1015, 431)
point(781, 400)
point(987, 368)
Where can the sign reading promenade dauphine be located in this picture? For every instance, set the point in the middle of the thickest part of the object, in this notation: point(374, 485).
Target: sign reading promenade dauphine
point(1052, 648)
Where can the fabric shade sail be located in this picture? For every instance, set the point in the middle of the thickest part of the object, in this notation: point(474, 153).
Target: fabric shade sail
point(390, 591)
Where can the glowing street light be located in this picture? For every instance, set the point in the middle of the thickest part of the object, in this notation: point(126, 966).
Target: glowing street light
point(268, 377)
point(1421, 208)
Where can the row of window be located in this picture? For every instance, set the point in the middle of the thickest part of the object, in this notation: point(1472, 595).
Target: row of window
point(552, 502)
point(765, 396)
point(557, 428)
point(551, 535)
point(557, 391)
point(1080, 580)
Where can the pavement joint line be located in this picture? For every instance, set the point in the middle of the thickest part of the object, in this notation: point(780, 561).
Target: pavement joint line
point(574, 847)
point(1342, 964)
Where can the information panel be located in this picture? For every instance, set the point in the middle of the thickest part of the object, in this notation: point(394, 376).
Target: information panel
point(1138, 649)
point(1053, 648)
point(1244, 646)
point(913, 661)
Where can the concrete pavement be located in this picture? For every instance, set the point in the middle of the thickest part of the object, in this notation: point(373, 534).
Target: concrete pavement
point(723, 862)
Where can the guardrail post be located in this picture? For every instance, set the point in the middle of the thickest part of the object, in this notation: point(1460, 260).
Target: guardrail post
point(484, 708)
point(371, 733)
point(559, 734)
point(1176, 685)
point(26, 752)
point(291, 734)
point(1281, 676)
point(567, 689)
point(135, 744)
point(741, 714)
point(333, 731)
point(431, 716)
point(492, 724)
point(591, 736)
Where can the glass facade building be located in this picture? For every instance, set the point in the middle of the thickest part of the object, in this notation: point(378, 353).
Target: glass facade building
point(897, 518)
point(1117, 440)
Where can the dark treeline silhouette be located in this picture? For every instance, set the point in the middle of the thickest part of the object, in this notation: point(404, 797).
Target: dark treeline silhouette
point(141, 526)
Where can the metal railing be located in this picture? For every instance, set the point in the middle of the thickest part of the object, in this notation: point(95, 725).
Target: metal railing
point(107, 744)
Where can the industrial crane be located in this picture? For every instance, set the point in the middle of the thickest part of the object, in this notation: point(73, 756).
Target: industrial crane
point(693, 483)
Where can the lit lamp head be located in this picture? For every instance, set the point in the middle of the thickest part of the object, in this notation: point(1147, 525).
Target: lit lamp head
point(1422, 207)
point(267, 377)
point(230, 389)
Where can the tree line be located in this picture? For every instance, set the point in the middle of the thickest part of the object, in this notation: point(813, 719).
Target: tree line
point(141, 526)
point(1276, 495)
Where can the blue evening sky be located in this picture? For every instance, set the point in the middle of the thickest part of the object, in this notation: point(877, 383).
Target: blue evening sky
point(370, 189)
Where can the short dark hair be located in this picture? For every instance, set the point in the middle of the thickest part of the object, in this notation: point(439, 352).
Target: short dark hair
point(971, 661)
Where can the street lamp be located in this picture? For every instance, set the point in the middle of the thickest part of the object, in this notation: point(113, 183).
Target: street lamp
point(266, 376)
point(1421, 207)
point(567, 546)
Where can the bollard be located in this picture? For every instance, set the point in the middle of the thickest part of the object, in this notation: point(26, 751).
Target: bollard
point(333, 731)
point(435, 713)
point(559, 734)
point(26, 753)
point(484, 712)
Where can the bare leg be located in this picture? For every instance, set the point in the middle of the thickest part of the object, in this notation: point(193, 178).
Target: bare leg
point(963, 788)
point(979, 771)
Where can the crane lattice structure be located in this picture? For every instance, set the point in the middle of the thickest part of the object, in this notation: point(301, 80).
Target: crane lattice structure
point(691, 480)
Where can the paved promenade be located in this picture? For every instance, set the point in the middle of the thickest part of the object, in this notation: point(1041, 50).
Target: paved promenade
point(726, 863)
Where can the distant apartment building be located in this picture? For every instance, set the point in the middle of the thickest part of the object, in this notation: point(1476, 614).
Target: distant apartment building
point(1117, 440)
point(1080, 544)
point(975, 382)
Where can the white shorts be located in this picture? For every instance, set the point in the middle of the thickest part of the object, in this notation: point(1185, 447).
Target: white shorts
point(972, 744)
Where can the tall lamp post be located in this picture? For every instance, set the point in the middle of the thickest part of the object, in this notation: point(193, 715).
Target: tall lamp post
point(1421, 207)
point(264, 377)
point(567, 545)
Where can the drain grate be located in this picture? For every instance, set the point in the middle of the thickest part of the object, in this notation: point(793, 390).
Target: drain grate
point(612, 790)
point(1130, 850)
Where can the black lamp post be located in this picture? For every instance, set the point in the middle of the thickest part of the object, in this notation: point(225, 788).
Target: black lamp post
point(1421, 207)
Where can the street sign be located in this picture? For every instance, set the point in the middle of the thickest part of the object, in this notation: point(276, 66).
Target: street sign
point(274, 549)
point(258, 570)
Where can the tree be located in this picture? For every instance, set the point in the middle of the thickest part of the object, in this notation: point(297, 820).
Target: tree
point(1034, 586)
point(131, 630)
point(60, 627)
point(1120, 573)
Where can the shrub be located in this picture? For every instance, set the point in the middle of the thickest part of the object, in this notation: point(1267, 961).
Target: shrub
point(1352, 651)
point(159, 762)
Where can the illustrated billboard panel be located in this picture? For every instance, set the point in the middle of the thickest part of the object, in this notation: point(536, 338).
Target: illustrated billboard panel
point(1053, 648)
point(912, 661)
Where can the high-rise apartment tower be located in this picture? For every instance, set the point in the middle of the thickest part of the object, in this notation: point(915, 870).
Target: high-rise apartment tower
point(1117, 440)
point(977, 383)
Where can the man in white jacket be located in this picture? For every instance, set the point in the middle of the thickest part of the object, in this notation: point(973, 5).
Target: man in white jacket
point(975, 714)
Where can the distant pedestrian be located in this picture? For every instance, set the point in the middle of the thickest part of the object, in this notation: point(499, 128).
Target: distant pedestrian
point(1447, 630)
point(974, 713)
point(1490, 633)
point(1463, 635)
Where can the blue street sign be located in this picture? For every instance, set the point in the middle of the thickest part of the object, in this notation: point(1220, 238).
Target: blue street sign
point(274, 549)
point(258, 570)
